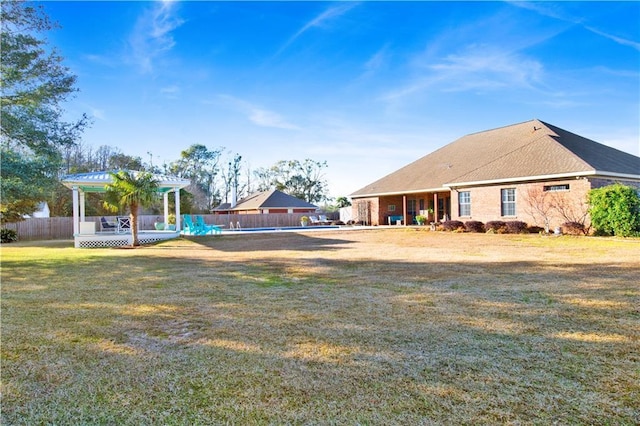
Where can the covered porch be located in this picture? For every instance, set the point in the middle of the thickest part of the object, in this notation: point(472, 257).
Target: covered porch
point(88, 234)
point(403, 208)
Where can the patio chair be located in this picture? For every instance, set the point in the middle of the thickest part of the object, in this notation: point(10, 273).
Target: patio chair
point(188, 227)
point(205, 229)
point(314, 220)
point(124, 225)
point(323, 219)
point(106, 225)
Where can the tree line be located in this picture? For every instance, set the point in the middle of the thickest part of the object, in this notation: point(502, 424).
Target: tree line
point(215, 174)
point(38, 146)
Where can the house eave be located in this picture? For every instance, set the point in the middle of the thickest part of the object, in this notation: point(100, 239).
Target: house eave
point(618, 175)
point(409, 191)
point(452, 185)
point(577, 175)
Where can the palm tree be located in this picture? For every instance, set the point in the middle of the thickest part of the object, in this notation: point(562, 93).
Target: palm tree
point(131, 190)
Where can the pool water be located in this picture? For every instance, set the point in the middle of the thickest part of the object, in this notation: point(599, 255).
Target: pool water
point(283, 228)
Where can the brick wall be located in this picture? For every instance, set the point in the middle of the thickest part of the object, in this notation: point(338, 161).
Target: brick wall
point(384, 212)
point(600, 182)
point(366, 210)
point(532, 203)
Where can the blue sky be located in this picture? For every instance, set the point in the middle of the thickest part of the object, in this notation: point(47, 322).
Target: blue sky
point(366, 86)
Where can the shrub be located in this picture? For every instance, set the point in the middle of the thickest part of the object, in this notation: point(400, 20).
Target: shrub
point(496, 226)
point(615, 210)
point(574, 228)
point(474, 226)
point(421, 219)
point(516, 227)
point(452, 225)
point(8, 235)
point(535, 229)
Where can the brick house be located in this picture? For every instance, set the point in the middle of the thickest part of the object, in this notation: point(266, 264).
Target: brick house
point(532, 172)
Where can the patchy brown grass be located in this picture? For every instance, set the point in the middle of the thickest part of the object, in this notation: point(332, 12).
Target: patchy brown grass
point(389, 326)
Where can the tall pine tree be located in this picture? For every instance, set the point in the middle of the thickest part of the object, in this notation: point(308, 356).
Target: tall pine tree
point(34, 85)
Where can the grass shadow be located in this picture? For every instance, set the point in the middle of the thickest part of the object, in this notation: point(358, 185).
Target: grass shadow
point(221, 334)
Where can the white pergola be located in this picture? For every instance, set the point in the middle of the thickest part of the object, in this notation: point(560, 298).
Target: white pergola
point(83, 183)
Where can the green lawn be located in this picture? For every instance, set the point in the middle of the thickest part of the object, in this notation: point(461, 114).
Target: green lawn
point(380, 327)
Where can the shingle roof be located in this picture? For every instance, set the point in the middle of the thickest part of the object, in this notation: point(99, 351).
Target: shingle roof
point(222, 207)
point(271, 200)
point(530, 149)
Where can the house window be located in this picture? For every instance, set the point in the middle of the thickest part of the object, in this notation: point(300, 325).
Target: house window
point(392, 208)
point(508, 202)
point(464, 203)
point(555, 188)
point(411, 207)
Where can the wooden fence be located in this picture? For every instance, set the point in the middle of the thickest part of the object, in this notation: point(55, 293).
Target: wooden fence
point(56, 228)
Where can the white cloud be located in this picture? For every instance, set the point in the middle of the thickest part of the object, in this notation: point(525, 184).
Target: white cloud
point(329, 14)
point(265, 118)
point(170, 92)
point(486, 67)
point(377, 61)
point(551, 10)
point(478, 67)
point(98, 113)
point(618, 40)
point(152, 35)
point(102, 60)
point(256, 114)
point(555, 11)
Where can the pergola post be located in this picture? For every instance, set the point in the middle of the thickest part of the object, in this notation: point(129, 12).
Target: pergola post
point(82, 206)
point(177, 195)
point(165, 198)
point(76, 213)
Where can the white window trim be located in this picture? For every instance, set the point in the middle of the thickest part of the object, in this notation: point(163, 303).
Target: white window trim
point(460, 204)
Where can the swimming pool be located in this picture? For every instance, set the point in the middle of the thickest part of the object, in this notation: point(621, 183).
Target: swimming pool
point(280, 229)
